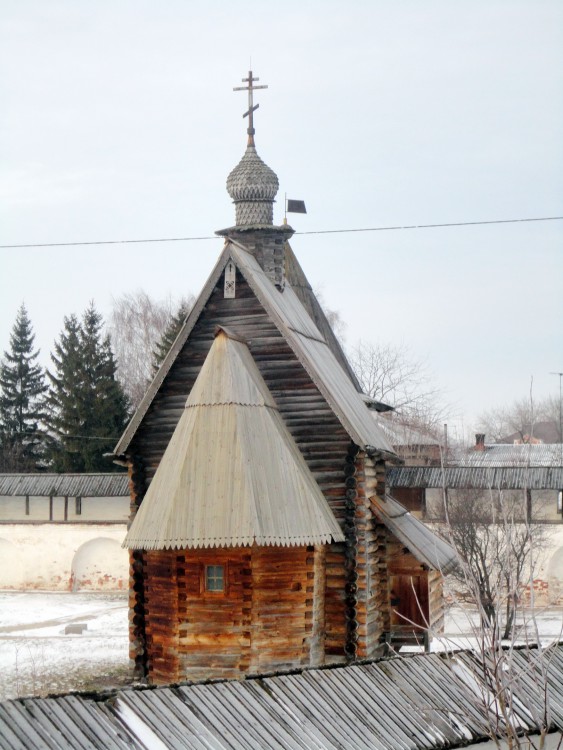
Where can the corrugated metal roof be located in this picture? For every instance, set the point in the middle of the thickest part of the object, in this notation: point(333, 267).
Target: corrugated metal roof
point(478, 477)
point(232, 475)
point(421, 702)
point(424, 544)
point(513, 455)
point(302, 335)
point(65, 485)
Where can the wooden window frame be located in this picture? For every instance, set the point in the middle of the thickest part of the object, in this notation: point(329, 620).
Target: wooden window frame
point(203, 579)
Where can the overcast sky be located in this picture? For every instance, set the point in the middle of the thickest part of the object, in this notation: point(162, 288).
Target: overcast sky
point(118, 121)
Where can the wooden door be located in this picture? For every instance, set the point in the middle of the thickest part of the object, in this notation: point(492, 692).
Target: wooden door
point(409, 601)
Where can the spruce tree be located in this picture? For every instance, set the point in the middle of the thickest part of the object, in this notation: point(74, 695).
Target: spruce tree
point(88, 406)
point(171, 332)
point(66, 418)
point(22, 389)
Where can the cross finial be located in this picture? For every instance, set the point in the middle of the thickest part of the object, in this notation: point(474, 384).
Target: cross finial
point(251, 106)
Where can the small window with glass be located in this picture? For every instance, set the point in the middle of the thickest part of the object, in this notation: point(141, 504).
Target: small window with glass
point(215, 579)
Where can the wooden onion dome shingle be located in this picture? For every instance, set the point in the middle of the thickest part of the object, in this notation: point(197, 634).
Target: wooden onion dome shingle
point(252, 184)
point(232, 475)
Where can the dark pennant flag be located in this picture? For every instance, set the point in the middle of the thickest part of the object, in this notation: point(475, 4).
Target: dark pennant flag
point(296, 207)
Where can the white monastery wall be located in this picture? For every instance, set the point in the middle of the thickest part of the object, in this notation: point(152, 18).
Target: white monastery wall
point(63, 557)
point(77, 509)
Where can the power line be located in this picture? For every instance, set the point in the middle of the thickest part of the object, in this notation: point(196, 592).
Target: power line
point(318, 231)
point(433, 226)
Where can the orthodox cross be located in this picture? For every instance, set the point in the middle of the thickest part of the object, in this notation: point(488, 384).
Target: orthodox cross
point(251, 106)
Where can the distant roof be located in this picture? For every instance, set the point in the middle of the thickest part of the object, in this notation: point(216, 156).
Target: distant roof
point(418, 702)
point(477, 477)
point(513, 455)
point(65, 485)
point(401, 434)
point(546, 431)
point(423, 543)
point(308, 344)
point(232, 475)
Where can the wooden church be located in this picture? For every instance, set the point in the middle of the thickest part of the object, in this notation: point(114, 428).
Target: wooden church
point(261, 535)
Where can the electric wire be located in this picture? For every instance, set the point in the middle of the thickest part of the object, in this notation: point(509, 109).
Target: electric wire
point(317, 231)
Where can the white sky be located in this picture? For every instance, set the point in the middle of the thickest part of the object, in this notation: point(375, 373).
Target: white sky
point(118, 121)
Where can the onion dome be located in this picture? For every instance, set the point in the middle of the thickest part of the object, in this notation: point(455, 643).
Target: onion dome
point(253, 186)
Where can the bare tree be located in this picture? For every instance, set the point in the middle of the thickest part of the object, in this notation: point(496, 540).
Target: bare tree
point(136, 324)
point(521, 420)
point(389, 373)
point(498, 551)
point(497, 545)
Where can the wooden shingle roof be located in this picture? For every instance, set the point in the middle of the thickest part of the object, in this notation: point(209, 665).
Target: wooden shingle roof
point(232, 475)
point(421, 702)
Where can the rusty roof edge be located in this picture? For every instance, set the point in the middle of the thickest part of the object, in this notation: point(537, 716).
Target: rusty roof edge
point(136, 420)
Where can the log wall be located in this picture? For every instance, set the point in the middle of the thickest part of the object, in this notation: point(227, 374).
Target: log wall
point(263, 621)
point(348, 621)
point(372, 560)
point(316, 430)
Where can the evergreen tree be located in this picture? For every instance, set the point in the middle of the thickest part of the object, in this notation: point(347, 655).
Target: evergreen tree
point(64, 401)
point(22, 389)
point(88, 406)
point(172, 330)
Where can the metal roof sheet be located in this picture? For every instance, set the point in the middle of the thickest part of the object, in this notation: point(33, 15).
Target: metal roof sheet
point(418, 702)
point(65, 485)
point(232, 475)
point(423, 543)
point(302, 335)
point(514, 455)
point(300, 285)
point(477, 477)
point(312, 350)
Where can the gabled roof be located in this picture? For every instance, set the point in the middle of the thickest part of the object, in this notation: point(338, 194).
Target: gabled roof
point(424, 544)
point(231, 475)
point(307, 342)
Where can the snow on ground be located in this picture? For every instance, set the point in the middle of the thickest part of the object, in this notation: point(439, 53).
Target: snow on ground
point(37, 658)
point(462, 625)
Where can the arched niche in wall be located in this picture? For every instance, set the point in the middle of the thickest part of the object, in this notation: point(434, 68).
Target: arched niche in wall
point(100, 564)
